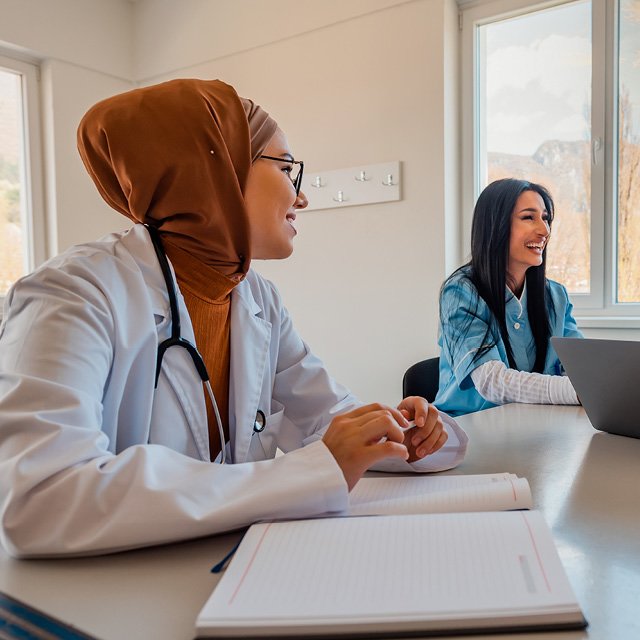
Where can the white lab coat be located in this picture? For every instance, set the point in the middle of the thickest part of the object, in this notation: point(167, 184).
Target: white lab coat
point(93, 459)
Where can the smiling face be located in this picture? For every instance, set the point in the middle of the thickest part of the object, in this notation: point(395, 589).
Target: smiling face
point(529, 236)
point(271, 202)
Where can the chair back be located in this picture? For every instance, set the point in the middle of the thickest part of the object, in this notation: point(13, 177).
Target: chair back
point(421, 379)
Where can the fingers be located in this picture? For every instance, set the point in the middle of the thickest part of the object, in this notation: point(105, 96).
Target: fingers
point(387, 449)
point(377, 407)
point(422, 441)
point(372, 427)
point(432, 443)
point(359, 439)
point(416, 408)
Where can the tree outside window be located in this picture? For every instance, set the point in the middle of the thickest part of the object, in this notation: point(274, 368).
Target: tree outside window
point(12, 258)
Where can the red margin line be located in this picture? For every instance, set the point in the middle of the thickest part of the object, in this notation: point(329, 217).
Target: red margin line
point(535, 548)
point(249, 564)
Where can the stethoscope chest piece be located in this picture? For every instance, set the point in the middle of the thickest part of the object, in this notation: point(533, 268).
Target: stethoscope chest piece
point(260, 422)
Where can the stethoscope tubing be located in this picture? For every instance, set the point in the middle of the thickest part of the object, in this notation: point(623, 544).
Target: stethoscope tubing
point(176, 340)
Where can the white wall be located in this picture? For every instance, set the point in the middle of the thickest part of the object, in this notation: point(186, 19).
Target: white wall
point(363, 282)
point(85, 51)
point(96, 34)
point(174, 35)
point(351, 81)
point(75, 210)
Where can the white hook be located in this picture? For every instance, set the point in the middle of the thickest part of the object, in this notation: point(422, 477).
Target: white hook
point(317, 182)
point(362, 177)
point(388, 181)
point(340, 197)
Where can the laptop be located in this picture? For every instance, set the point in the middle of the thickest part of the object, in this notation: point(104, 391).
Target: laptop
point(605, 375)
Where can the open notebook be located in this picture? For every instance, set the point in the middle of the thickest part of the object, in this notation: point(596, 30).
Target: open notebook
point(419, 573)
point(439, 494)
point(426, 574)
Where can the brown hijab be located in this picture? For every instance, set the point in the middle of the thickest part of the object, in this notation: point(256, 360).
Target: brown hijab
point(176, 156)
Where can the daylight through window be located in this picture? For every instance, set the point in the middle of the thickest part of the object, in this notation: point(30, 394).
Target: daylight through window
point(12, 216)
point(628, 280)
point(556, 99)
point(535, 106)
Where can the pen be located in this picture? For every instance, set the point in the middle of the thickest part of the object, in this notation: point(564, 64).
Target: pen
point(403, 429)
point(220, 566)
point(412, 423)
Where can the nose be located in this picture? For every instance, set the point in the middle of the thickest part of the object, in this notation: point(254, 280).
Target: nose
point(543, 227)
point(301, 201)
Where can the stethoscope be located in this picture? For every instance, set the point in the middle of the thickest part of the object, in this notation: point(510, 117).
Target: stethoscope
point(177, 340)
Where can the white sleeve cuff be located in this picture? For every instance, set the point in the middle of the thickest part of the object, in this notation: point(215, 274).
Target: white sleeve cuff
point(449, 456)
point(500, 385)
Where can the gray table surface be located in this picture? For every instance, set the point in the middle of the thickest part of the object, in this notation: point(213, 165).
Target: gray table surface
point(586, 483)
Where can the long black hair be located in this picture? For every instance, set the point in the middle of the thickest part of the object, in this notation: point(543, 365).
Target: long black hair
point(487, 269)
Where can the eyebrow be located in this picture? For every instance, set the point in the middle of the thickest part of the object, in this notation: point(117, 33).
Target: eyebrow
point(532, 210)
point(285, 157)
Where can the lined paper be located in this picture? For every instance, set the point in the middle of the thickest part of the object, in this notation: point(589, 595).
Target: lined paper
point(439, 494)
point(340, 572)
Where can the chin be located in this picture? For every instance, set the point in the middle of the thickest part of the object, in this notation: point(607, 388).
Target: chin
point(277, 253)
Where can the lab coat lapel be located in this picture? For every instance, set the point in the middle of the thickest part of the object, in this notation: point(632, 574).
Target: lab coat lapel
point(138, 244)
point(250, 339)
point(177, 365)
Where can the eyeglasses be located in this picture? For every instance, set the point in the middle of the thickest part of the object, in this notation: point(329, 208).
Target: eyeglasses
point(297, 180)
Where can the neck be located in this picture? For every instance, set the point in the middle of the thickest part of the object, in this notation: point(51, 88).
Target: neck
point(515, 282)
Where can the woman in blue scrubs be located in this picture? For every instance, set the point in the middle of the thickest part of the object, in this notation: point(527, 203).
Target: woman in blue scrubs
point(499, 311)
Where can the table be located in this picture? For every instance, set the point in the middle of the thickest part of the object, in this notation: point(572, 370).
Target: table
point(586, 483)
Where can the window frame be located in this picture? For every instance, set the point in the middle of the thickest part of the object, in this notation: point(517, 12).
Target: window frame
point(34, 219)
point(597, 308)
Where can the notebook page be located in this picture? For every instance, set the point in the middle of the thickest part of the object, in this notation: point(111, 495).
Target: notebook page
point(390, 568)
point(439, 494)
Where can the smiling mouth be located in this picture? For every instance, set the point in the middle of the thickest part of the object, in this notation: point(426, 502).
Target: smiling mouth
point(291, 218)
point(535, 245)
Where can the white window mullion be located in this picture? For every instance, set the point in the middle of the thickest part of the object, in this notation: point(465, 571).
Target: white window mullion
point(600, 150)
point(609, 16)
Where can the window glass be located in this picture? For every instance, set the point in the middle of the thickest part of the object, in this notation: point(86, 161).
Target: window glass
point(12, 214)
point(629, 152)
point(534, 117)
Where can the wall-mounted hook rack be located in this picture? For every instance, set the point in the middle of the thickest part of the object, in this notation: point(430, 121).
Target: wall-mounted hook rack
point(366, 184)
point(317, 182)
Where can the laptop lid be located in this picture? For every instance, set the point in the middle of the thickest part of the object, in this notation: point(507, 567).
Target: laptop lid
point(605, 375)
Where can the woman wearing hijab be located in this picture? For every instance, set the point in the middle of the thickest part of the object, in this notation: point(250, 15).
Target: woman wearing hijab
point(499, 311)
point(108, 438)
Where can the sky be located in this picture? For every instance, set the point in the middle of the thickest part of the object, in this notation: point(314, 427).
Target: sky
point(538, 75)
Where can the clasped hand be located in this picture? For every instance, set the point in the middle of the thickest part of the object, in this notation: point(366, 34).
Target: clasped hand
point(360, 438)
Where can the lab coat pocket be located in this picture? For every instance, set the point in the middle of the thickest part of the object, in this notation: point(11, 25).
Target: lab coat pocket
point(264, 443)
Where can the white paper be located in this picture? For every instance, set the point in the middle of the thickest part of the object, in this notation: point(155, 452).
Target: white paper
point(396, 572)
point(439, 494)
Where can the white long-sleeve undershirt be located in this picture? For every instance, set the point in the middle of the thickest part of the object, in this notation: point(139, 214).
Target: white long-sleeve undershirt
point(500, 385)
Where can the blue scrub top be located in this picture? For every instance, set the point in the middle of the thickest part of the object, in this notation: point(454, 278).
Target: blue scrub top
point(463, 311)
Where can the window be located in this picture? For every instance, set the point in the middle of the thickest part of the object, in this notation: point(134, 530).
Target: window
point(21, 204)
point(628, 175)
point(554, 96)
